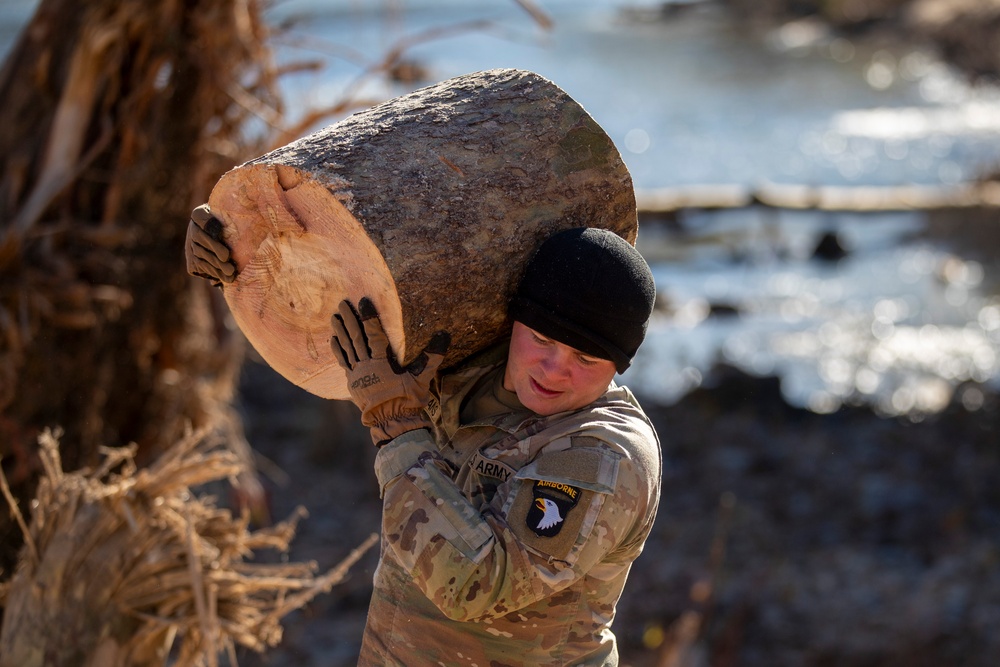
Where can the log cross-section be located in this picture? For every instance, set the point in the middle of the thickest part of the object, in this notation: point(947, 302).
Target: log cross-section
point(430, 204)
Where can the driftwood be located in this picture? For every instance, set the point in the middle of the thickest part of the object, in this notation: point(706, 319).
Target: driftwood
point(430, 204)
point(867, 199)
point(125, 567)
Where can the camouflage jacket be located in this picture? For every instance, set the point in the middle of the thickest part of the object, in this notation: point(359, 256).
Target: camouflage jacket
point(507, 540)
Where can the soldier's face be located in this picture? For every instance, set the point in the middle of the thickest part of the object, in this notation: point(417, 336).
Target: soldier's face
point(549, 376)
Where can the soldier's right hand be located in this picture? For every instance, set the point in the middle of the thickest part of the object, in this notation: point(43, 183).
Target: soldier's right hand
point(392, 398)
point(206, 254)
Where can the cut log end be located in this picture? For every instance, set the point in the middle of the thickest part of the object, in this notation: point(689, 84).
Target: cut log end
point(299, 252)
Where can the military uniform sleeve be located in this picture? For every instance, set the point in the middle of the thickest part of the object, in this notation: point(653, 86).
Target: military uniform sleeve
point(543, 531)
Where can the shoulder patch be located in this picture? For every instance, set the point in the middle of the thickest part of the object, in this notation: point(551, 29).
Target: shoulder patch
point(551, 503)
point(571, 485)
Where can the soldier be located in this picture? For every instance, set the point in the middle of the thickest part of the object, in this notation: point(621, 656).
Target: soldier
point(518, 486)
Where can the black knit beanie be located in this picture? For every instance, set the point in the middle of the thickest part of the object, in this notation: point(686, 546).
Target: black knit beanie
point(589, 289)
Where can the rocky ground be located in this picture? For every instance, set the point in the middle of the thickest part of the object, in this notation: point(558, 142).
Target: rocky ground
point(784, 538)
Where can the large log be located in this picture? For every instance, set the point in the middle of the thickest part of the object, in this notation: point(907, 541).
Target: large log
point(430, 204)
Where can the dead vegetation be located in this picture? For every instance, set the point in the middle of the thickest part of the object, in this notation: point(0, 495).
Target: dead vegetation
point(156, 569)
point(117, 119)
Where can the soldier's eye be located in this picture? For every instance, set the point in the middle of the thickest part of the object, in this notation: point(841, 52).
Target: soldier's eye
point(540, 339)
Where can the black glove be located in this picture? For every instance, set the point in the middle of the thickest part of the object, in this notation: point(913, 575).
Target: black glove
point(391, 397)
point(206, 254)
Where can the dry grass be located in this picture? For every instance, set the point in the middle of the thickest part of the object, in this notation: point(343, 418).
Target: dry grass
point(129, 566)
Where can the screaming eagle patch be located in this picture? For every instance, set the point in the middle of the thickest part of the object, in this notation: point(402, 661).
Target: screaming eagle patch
point(551, 502)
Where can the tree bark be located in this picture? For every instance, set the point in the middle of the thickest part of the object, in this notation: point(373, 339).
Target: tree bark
point(430, 204)
point(111, 112)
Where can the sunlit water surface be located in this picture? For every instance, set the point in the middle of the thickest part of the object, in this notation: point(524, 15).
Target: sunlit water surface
point(897, 324)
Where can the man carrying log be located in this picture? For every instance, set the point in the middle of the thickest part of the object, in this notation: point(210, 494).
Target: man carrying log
point(518, 485)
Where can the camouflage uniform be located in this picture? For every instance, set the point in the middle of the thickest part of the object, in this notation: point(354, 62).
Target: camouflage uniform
point(507, 539)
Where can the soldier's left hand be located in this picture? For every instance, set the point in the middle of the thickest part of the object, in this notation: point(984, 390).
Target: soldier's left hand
point(391, 397)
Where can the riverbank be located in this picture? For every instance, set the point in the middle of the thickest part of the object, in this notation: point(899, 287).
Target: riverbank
point(963, 33)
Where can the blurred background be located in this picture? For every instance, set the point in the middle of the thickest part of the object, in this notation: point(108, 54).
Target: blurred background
point(815, 184)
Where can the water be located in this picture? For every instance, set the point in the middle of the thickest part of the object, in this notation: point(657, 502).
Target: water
point(898, 324)
point(13, 15)
point(696, 99)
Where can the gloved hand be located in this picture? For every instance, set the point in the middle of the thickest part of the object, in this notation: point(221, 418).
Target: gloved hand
point(391, 397)
point(207, 256)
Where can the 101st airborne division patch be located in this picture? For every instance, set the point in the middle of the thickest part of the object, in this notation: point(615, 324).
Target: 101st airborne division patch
point(551, 502)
